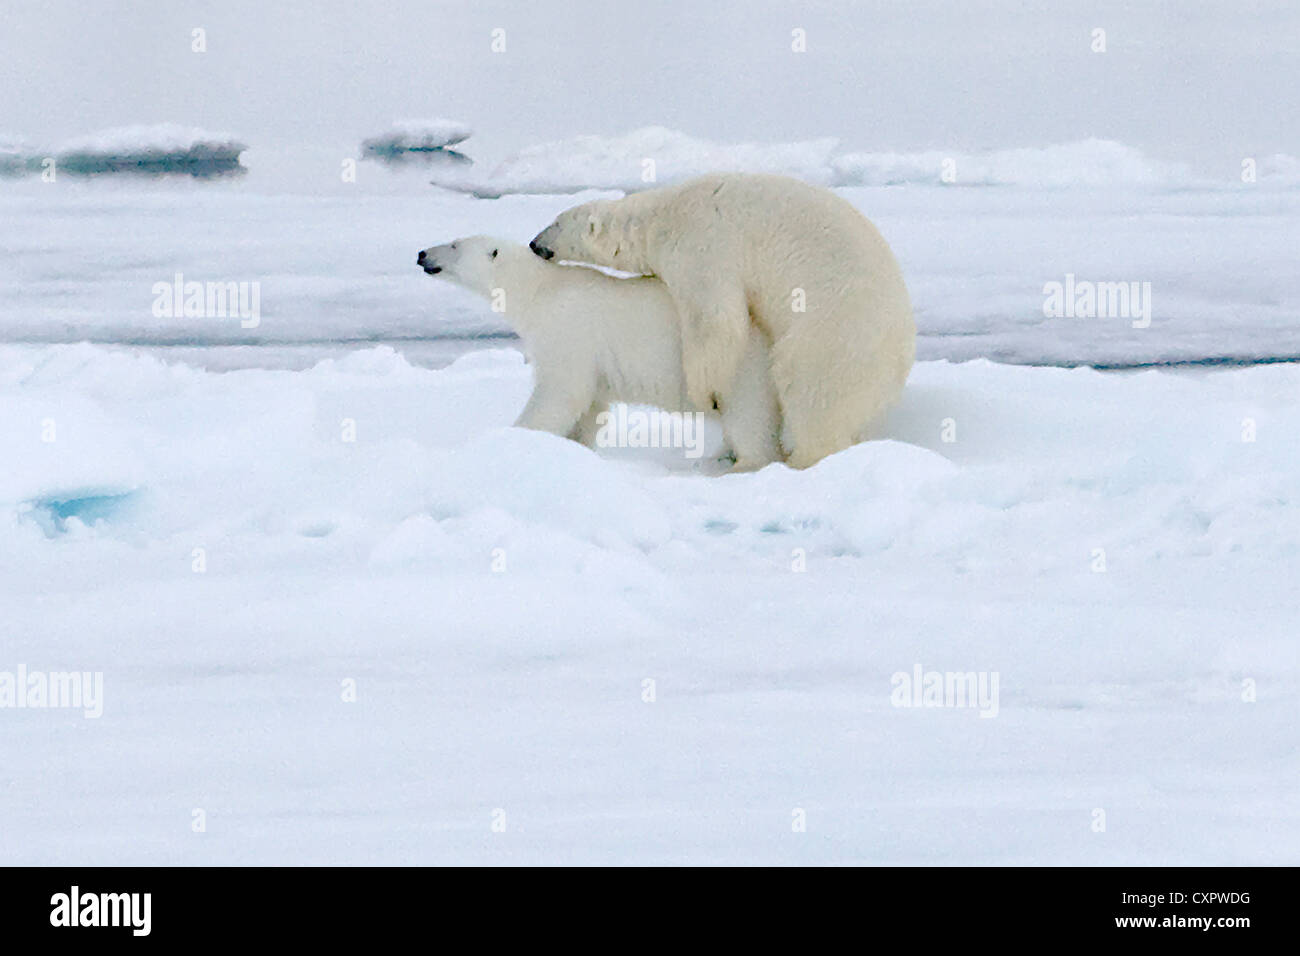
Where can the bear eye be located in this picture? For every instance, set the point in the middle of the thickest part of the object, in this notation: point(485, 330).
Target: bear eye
point(494, 253)
point(591, 227)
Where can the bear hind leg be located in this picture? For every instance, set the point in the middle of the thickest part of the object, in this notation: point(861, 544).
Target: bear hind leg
point(715, 329)
point(824, 404)
point(751, 415)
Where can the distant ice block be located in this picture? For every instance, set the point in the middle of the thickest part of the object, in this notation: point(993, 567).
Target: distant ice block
point(417, 136)
point(12, 150)
point(164, 148)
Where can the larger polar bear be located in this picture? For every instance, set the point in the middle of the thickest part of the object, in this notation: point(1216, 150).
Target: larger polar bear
point(593, 339)
point(801, 262)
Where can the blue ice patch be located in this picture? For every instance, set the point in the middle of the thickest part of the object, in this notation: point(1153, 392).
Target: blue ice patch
point(51, 512)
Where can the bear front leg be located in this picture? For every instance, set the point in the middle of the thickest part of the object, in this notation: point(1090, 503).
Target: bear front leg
point(554, 407)
point(715, 327)
point(588, 427)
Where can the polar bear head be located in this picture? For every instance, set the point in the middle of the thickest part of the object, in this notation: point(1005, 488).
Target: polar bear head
point(478, 263)
point(605, 232)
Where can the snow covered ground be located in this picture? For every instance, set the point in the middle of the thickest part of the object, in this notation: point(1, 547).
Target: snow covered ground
point(500, 599)
point(563, 656)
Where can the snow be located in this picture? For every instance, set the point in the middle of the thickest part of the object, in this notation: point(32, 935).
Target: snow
point(12, 148)
point(638, 159)
point(409, 135)
point(500, 597)
point(1281, 169)
point(654, 156)
point(1091, 162)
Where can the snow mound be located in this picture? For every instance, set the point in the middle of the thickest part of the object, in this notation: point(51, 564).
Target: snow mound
point(641, 159)
point(654, 156)
point(406, 136)
point(541, 479)
point(87, 423)
point(1090, 162)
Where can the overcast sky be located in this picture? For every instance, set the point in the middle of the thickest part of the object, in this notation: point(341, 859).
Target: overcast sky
point(1203, 82)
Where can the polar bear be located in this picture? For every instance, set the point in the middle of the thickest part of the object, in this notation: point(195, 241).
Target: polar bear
point(797, 260)
point(594, 339)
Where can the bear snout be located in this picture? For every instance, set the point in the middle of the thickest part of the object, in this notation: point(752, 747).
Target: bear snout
point(427, 264)
point(541, 250)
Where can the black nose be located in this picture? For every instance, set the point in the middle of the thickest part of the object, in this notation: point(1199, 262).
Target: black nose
point(540, 250)
point(419, 260)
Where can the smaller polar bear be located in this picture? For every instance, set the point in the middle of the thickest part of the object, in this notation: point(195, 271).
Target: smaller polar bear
point(594, 339)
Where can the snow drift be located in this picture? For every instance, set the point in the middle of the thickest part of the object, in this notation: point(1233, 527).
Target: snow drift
point(637, 160)
point(1090, 162)
point(655, 155)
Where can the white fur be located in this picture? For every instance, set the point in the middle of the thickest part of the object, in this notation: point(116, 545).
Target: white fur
point(593, 339)
point(733, 248)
